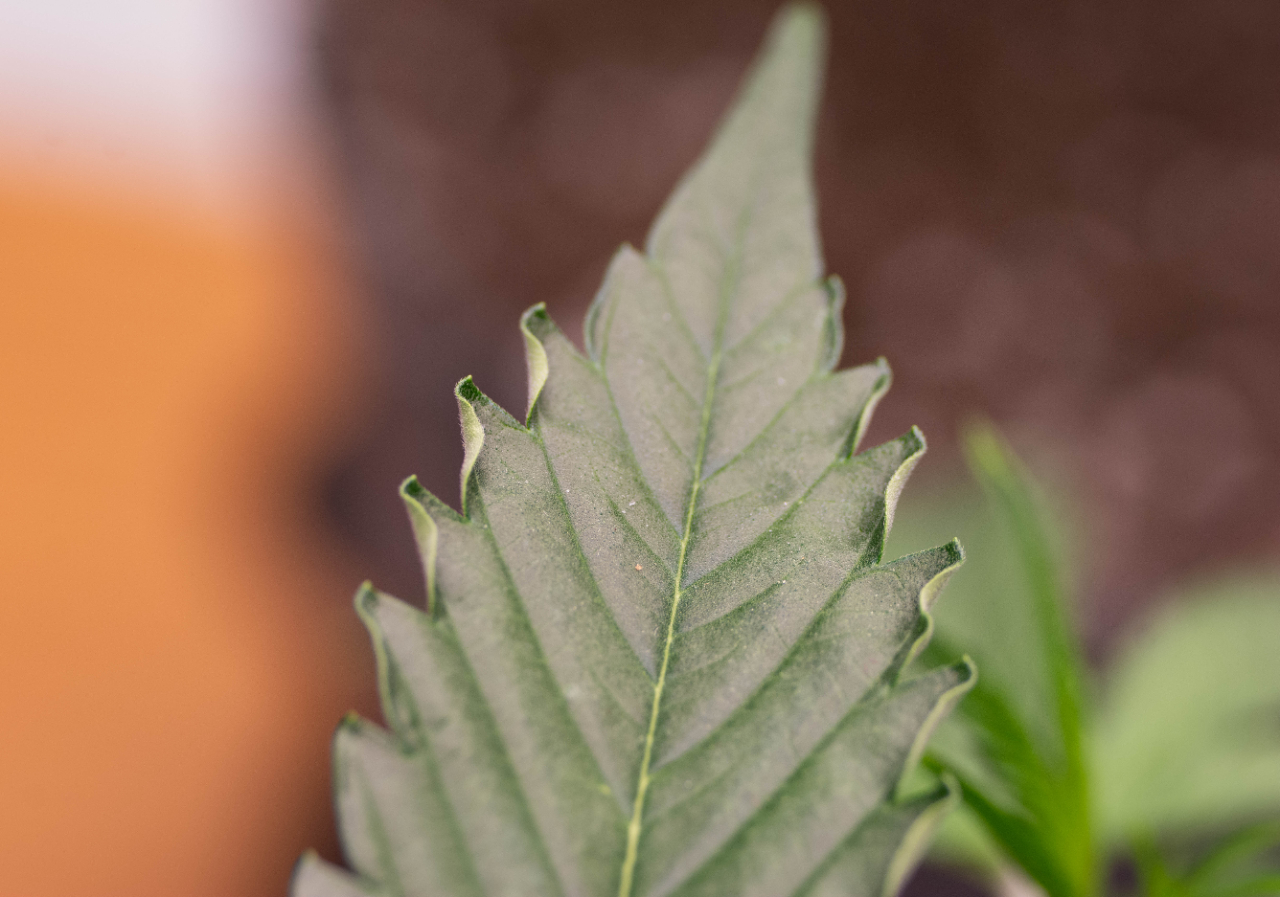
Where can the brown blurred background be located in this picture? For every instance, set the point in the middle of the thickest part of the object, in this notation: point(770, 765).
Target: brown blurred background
point(246, 249)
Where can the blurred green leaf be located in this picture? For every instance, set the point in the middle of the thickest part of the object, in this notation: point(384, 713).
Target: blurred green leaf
point(1184, 746)
point(1238, 866)
point(1016, 745)
point(1187, 741)
point(1241, 849)
point(1154, 874)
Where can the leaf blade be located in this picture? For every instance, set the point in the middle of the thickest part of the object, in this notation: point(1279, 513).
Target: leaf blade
point(646, 514)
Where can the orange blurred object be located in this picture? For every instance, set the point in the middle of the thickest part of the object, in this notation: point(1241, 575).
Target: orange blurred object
point(177, 640)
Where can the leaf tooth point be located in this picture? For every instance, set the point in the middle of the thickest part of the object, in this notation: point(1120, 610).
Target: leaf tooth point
point(366, 596)
point(469, 396)
point(915, 441)
point(368, 603)
point(412, 490)
point(537, 312)
point(535, 325)
point(884, 380)
point(467, 391)
point(835, 290)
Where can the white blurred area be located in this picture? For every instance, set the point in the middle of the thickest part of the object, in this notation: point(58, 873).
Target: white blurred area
point(198, 97)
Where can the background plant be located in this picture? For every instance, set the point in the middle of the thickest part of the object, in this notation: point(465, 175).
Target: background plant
point(1174, 748)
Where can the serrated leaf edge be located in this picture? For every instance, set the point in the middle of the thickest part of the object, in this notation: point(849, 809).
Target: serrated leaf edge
point(915, 843)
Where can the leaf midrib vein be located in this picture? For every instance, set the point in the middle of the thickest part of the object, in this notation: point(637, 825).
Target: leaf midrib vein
point(728, 286)
point(804, 638)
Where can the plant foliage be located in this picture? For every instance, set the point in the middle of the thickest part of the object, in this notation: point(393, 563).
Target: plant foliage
point(1019, 752)
point(660, 653)
point(1178, 749)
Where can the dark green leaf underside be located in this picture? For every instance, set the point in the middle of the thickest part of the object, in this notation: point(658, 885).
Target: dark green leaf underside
point(661, 653)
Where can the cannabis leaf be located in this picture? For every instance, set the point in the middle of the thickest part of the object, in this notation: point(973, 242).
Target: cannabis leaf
point(660, 653)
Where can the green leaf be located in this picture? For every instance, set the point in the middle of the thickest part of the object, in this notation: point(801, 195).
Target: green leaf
point(1241, 849)
point(1187, 741)
point(1154, 874)
point(1016, 746)
point(1238, 866)
point(1242, 865)
point(661, 653)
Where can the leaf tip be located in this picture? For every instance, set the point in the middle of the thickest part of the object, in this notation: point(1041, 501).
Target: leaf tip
point(366, 600)
point(373, 608)
point(952, 558)
point(985, 449)
point(469, 395)
point(799, 27)
point(533, 324)
point(915, 439)
point(349, 724)
point(466, 389)
point(935, 568)
point(913, 449)
point(308, 857)
point(883, 380)
point(313, 877)
point(302, 871)
point(965, 675)
point(920, 834)
point(425, 531)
